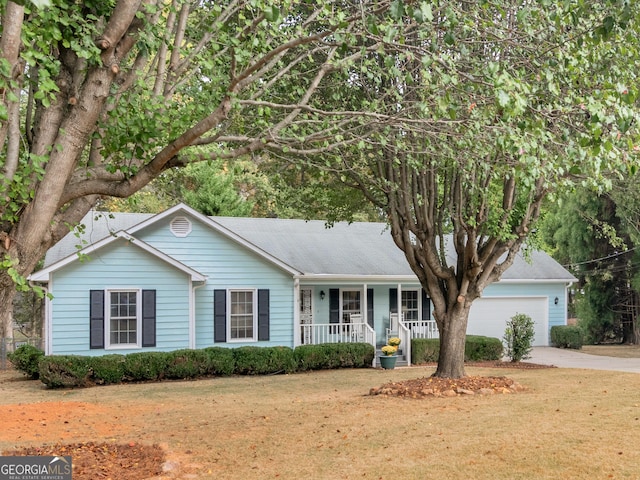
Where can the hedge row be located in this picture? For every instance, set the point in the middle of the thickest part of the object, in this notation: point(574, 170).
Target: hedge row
point(64, 371)
point(566, 336)
point(477, 348)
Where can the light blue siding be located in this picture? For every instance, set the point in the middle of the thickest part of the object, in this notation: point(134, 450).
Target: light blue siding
point(227, 265)
point(119, 265)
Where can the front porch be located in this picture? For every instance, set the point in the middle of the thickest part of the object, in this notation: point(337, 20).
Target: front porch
point(344, 310)
point(361, 332)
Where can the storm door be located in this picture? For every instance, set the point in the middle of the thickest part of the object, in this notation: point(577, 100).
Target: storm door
point(306, 315)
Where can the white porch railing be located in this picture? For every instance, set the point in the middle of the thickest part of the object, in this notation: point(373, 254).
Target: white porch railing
point(422, 328)
point(317, 333)
point(405, 341)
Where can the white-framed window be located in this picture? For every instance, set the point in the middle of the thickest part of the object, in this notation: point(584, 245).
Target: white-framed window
point(243, 315)
point(351, 304)
point(123, 325)
point(411, 308)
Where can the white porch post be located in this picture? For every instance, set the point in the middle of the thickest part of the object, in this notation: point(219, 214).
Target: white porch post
point(365, 310)
point(193, 315)
point(399, 306)
point(296, 312)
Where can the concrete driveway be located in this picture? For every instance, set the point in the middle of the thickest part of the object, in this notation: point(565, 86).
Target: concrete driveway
point(567, 358)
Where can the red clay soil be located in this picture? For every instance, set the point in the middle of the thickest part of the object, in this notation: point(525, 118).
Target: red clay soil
point(59, 421)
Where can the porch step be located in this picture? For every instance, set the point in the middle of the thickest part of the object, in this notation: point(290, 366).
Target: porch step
point(402, 358)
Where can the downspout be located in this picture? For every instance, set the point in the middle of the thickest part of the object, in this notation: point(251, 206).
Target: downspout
point(46, 327)
point(192, 315)
point(566, 301)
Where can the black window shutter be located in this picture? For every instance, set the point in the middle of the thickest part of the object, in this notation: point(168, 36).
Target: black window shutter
point(334, 305)
point(96, 319)
point(426, 306)
point(263, 314)
point(393, 300)
point(148, 318)
point(219, 315)
point(370, 307)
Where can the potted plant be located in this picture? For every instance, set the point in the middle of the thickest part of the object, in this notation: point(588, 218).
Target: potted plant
point(394, 342)
point(388, 357)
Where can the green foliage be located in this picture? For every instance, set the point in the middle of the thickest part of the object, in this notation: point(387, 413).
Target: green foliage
point(213, 189)
point(26, 358)
point(145, 366)
point(188, 364)
point(518, 337)
point(334, 355)
point(566, 336)
point(107, 369)
point(424, 350)
point(264, 360)
point(594, 235)
point(65, 371)
point(222, 361)
point(477, 348)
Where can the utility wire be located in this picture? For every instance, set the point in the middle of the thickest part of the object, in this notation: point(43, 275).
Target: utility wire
point(613, 255)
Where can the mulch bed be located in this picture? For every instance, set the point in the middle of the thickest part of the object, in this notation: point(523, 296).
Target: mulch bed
point(447, 387)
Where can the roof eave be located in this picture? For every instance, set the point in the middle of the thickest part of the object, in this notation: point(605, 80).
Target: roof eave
point(43, 276)
point(220, 229)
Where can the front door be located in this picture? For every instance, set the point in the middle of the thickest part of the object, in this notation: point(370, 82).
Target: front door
point(306, 315)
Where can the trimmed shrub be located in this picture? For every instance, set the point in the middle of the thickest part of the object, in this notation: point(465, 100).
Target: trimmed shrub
point(476, 349)
point(145, 366)
point(188, 364)
point(221, 360)
point(567, 336)
point(26, 358)
point(334, 355)
point(518, 337)
point(264, 360)
point(65, 371)
point(424, 350)
point(310, 357)
point(107, 369)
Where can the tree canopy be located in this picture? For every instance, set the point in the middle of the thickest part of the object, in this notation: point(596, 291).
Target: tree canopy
point(101, 97)
point(505, 104)
point(450, 117)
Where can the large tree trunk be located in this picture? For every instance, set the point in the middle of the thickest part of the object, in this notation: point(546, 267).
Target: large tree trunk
point(7, 294)
point(452, 329)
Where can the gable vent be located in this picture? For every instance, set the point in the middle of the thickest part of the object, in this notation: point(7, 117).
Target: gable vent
point(180, 226)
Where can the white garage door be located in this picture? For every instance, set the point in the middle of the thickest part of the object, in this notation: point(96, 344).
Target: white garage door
point(489, 316)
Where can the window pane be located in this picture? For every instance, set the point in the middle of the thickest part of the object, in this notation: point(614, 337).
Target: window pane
point(350, 304)
point(242, 314)
point(123, 321)
point(410, 305)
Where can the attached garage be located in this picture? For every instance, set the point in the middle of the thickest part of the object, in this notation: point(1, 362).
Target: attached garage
point(489, 316)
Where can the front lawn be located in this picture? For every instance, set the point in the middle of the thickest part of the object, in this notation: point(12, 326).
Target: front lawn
point(325, 425)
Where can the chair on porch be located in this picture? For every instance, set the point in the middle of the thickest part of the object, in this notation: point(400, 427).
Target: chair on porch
point(394, 326)
point(357, 335)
